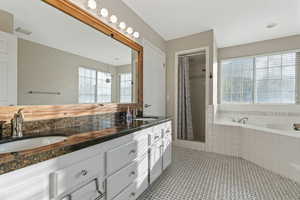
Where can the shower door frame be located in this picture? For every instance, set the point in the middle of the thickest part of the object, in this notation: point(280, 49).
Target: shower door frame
point(185, 143)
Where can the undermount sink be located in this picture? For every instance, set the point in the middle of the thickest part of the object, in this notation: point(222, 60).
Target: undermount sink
point(26, 144)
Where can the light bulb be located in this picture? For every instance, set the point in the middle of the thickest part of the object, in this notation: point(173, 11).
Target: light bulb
point(136, 34)
point(122, 25)
point(129, 30)
point(104, 12)
point(92, 4)
point(113, 19)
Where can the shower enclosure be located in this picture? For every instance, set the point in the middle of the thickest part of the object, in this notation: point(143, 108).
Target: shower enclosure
point(191, 102)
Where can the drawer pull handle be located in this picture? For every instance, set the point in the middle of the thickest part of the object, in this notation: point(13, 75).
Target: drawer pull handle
point(168, 131)
point(132, 194)
point(132, 152)
point(84, 172)
point(156, 137)
point(132, 174)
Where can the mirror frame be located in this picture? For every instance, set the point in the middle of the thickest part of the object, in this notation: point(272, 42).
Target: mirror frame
point(42, 112)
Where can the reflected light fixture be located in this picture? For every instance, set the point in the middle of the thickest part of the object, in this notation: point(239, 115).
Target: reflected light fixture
point(136, 34)
point(104, 12)
point(129, 30)
point(92, 4)
point(122, 25)
point(113, 19)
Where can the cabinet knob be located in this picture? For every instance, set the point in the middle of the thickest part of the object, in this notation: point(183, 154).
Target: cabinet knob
point(132, 194)
point(84, 172)
point(132, 173)
point(132, 151)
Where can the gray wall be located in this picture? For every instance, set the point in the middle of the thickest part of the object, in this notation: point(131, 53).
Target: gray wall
point(204, 39)
point(6, 22)
point(124, 13)
point(262, 47)
point(41, 68)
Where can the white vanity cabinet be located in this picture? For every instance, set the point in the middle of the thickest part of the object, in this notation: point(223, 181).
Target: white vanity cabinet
point(123, 168)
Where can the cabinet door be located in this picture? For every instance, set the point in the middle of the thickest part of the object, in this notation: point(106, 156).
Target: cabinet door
point(8, 69)
point(167, 153)
point(156, 161)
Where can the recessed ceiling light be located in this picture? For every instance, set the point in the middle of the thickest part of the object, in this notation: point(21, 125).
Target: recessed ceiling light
point(272, 25)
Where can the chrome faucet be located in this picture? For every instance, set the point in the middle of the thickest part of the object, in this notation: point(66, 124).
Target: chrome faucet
point(243, 120)
point(17, 124)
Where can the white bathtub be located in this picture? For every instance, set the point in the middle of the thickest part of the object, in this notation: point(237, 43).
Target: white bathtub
point(274, 146)
point(285, 129)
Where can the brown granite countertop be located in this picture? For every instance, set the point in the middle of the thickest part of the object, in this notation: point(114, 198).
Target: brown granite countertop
point(77, 138)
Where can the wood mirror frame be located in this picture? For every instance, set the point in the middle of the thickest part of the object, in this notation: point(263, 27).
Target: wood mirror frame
point(42, 112)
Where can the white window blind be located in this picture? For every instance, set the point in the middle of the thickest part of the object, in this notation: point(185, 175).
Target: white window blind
point(125, 88)
point(260, 79)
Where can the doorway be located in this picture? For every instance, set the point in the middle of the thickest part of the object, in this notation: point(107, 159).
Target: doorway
point(191, 96)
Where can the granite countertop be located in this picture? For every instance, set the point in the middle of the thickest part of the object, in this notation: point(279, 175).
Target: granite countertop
point(77, 138)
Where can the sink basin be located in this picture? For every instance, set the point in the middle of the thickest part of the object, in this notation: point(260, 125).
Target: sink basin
point(26, 144)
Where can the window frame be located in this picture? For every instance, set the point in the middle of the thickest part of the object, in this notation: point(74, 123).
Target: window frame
point(119, 85)
point(253, 102)
point(96, 85)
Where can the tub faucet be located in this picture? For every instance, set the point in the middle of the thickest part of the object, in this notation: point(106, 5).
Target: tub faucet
point(243, 120)
point(17, 124)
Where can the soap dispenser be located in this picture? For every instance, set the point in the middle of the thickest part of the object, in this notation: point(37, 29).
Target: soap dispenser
point(128, 116)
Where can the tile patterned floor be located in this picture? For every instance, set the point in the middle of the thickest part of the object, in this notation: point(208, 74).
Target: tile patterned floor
point(198, 175)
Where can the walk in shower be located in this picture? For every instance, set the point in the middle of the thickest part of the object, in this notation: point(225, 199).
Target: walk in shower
point(191, 96)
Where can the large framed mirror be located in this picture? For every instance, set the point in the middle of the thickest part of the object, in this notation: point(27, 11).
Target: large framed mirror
point(60, 54)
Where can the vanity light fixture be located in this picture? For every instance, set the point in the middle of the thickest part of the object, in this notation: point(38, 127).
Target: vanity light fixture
point(122, 25)
point(92, 4)
point(113, 19)
point(104, 12)
point(129, 30)
point(136, 34)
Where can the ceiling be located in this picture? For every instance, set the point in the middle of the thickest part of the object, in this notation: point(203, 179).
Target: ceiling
point(55, 29)
point(234, 21)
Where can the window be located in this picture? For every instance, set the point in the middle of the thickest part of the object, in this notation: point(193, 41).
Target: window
point(87, 83)
point(104, 87)
point(260, 79)
point(125, 88)
point(94, 86)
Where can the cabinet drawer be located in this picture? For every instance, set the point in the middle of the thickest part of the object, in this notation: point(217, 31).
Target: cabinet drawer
point(156, 134)
point(128, 194)
point(120, 180)
point(121, 156)
point(73, 176)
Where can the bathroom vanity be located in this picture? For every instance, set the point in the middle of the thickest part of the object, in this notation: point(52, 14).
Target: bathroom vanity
point(116, 163)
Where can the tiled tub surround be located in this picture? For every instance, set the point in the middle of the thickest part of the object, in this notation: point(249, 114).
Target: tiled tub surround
point(82, 132)
point(267, 139)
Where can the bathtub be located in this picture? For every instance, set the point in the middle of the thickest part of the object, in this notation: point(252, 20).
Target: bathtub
point(274, 146)
point(285, 129)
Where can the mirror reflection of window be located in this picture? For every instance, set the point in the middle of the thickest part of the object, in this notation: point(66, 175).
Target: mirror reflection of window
point(88, 80)
point(87, 83)
point(125, 88)
point(104, 88)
